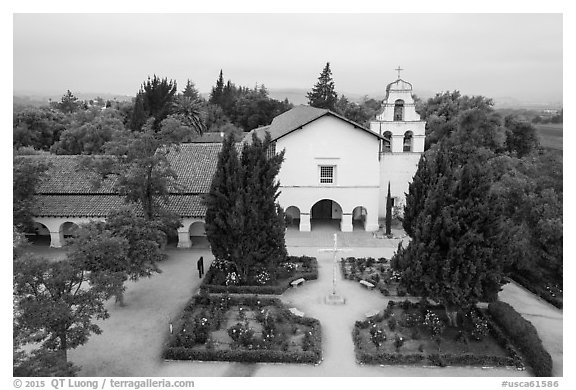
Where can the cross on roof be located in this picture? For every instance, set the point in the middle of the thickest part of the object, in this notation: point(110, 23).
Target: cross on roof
point(398, 69)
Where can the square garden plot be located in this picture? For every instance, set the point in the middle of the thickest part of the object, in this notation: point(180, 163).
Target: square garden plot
point(375, 271)
point(221, 277)
point(243, 329)
point(416, 333)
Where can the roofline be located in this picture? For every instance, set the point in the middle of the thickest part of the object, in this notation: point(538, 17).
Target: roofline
point(328, 112)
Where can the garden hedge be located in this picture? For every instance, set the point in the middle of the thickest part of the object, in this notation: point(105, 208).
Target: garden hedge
point(524, 335)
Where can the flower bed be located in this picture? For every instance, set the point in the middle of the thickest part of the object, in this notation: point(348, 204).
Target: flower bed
point(376, 271)
point(415, 333)
point(243, 329)
point(220, 278)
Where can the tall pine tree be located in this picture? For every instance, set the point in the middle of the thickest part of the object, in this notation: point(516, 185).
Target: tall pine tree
point(217, 91)
point(323, 94)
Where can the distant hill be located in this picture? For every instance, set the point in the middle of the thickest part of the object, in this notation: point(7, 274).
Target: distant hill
point(37, 100)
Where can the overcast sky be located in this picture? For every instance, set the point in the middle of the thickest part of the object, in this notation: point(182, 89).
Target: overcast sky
point(496, 55)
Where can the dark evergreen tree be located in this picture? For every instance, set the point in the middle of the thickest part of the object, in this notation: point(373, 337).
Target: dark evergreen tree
point(191, 92)
point(155, 99)
point(69, 103)
point(244, 224)
point(223, 221)
point(217, 91)
point(323, 94)
point(388, 212)
point(455, 256)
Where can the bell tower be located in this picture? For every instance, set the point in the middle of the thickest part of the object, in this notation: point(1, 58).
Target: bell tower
point(403, 135)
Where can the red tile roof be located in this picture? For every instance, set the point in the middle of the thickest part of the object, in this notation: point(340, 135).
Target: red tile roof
point(68, 190)
point(299, 117)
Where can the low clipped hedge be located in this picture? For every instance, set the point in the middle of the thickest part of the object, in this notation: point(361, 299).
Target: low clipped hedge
point(313, 355)
point(277, 289)
point(253, 356)
point(524, 335)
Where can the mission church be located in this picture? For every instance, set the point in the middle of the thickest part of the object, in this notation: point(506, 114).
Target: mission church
point(335, 172)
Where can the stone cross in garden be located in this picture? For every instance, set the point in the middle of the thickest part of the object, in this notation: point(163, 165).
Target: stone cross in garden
point(334, 298)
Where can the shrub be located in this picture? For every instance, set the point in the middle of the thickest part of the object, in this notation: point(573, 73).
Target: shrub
point(392, 323)
point(398, 342)
point(523, 333)
point(433, 323)
point(377, 335)
point(242, 334)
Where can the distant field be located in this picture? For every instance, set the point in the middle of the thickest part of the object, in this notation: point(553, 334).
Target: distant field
point(550, 135)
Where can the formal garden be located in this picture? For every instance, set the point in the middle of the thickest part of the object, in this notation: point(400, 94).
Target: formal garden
point(224, 277)
point(244, 329)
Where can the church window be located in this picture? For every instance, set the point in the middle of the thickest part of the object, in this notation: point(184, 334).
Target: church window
point(271, 152)
point(387, 142)
point(399, 110)
point(327, 174)
point(408, 138)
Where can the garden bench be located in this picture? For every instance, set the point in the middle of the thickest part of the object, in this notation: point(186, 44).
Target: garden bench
point(367, 284)
point(297, 282)
point(372, 313)
point(296, 312)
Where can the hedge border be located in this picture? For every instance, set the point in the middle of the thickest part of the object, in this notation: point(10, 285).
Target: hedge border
point(441, 360)
point(313, 356)
point(266, 290)
point(524, 335)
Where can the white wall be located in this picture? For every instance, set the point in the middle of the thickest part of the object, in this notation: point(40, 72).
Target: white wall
point(399, 170)
point(330, 141)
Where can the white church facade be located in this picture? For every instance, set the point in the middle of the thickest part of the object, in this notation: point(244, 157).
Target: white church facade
point(335, 172)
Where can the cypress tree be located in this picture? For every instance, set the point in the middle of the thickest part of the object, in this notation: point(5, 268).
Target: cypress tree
point(223, 224)
point(388, 212)
point(244, 223)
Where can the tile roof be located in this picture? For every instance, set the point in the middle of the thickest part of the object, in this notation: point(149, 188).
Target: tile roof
point(66, 205)
point(69, 191)
point(298, 117)
point(194, 164)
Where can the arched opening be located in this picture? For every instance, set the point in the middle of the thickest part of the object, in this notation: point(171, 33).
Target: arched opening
point(408, 138)
point(399, 110)
point(39, 235)
point(171, 238)
point(292, 215)
point(197, 232)
point(68, 230)
point(359, 215)
point(326, 215)
point(387, 142)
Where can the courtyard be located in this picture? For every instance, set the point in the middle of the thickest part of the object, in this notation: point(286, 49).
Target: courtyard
point(133, 337)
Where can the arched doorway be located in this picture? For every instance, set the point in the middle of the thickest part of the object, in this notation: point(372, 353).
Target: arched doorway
point(326, 214)
point(292, 214)
point(39, 235)
point(171, 238)
point(68, 230)
point(359, 215)
point(197, 232)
